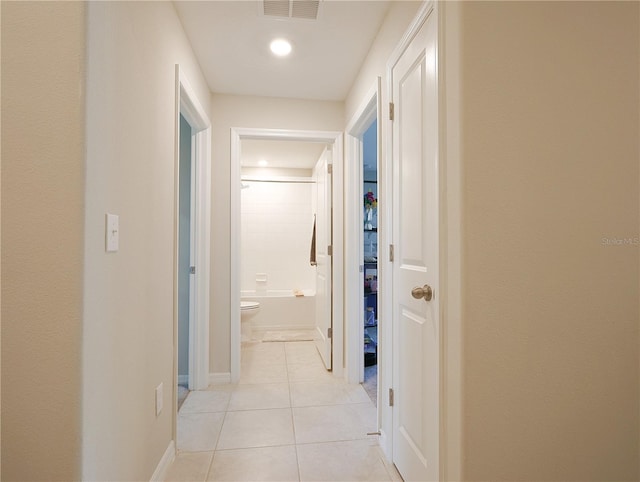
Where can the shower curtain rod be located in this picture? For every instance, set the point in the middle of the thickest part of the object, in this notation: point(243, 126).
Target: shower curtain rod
point(283, 180)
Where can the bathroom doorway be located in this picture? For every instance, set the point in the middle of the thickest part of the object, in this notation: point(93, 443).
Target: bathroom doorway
point(281, 186)
point(296, 285)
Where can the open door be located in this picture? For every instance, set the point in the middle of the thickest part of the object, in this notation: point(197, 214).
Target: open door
point(416, 320)
point(324, 322)
point(186, 258)
point(193, 234)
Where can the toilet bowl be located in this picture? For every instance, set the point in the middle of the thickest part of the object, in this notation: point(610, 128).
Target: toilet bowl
point(248, 310)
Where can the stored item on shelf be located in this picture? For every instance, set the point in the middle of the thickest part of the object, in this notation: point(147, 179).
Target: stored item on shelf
point(369, 317)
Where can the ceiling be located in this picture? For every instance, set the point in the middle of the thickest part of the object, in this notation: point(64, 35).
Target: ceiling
point(281, 154)
point(231, 41)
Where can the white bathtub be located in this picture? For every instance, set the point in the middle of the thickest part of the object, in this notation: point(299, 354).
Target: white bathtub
point(282, 310)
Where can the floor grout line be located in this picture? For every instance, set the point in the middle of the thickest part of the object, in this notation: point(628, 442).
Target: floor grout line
point(293, 421)
point(213, 456)
point(298, 463)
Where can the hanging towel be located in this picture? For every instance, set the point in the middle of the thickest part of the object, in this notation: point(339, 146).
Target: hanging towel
point(312, 256)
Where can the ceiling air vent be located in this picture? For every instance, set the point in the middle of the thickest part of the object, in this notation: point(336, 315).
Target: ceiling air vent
point(276, 8)
point(304, 9)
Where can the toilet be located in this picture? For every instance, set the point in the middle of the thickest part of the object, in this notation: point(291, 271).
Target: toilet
point(248, 310)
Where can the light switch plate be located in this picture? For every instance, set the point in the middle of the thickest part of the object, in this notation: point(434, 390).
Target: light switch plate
point(112, 234)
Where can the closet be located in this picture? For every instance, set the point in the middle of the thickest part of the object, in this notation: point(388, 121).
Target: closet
point(370, 245)
point(370, 274)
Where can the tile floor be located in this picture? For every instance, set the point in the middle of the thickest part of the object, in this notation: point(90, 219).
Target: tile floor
point(287, 420)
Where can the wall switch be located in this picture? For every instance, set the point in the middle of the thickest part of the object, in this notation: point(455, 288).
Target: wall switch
point(158, 399)
point(112, 234)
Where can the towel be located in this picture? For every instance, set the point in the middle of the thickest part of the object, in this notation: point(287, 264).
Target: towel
point(312, 256)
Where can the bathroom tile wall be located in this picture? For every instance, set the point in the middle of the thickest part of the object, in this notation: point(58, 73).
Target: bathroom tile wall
point(277, 224)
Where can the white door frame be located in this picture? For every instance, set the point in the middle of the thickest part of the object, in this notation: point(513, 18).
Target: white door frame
point(367, 112)
point(450, 227)
point(329, 137)
point(189, 106)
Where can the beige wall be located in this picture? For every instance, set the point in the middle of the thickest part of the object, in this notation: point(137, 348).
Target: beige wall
point(250, 112)
point(550, 156)
point(128, 311)
point(42, 238)
point(396, 22)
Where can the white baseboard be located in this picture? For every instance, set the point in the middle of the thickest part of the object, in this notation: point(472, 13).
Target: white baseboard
point(219, 378)
point(183, 379)
point(163, 466)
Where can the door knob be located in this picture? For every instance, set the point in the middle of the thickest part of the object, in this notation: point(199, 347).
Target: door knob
point(425, 292)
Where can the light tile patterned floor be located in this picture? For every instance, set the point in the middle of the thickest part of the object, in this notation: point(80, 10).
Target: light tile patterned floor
point(287, 420)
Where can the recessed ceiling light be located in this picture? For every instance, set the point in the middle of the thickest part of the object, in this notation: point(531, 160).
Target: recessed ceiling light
point(280, 47)
point(262, 163)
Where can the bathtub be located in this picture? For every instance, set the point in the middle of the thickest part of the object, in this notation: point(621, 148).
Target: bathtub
point(282, 310)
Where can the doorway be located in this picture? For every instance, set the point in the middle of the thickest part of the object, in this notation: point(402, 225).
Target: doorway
point(370, 259)
point(283, 197)
point(185, 257)
point(192, 243)
point(365, 232)
point(333, 340)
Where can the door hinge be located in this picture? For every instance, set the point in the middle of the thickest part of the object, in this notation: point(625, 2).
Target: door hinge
point(330, 250)
point(391, 397)
point(361, 268)
point(391, 111)
point(329, 168)
point(329, 332)
point(192, 270)
point(391, 252)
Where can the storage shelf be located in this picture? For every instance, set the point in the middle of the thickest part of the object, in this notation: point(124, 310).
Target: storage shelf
point(370, 296)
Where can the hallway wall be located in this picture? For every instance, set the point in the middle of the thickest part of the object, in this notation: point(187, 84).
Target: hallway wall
point(543, 123)
point(42, 238)
point(128, 308)
point(396, 22)
point(249, 112)
point(550, 122)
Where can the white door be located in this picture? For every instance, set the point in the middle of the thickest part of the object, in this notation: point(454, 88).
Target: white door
point(323, 336)
point(415, 236)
